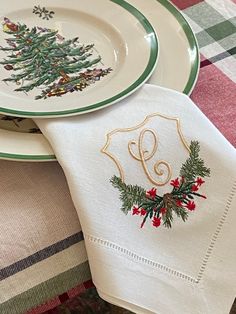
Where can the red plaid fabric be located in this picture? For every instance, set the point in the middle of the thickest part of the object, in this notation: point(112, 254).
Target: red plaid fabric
point(214, 23)
point(50, 307)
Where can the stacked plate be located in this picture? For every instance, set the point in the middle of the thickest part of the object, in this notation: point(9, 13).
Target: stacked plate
point(64, 58)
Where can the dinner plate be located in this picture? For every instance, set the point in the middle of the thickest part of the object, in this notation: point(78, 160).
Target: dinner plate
point(178, 67)
point(63, 58)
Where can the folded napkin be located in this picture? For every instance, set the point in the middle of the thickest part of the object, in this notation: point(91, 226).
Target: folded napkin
point(154, 185)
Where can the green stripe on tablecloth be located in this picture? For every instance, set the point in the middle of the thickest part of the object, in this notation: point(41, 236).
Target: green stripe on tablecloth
point(221, 30)
point(215, 27)
point(216, 33)
point(204, 15)
point(204, 39)
point(46, 290)
point(219, 57)
point(228, 42)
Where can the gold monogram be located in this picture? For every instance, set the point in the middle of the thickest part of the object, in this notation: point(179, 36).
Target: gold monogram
point(143, 155)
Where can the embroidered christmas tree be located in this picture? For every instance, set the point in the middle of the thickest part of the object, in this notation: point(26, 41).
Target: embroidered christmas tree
point(41, 58)
point(179, 202)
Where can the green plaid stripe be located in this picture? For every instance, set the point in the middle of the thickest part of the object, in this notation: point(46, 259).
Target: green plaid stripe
point(217, 32)
point(204, 15)
point(215, 27)
point(219, 57)
point(216, 35)
point(46, 290)
point(229, 42)
point(221, 30)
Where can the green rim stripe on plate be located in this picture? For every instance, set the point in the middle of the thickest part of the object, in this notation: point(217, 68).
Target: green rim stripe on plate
point(144, 76)
point(192, 43)
point(189, 85)
point(27, 157)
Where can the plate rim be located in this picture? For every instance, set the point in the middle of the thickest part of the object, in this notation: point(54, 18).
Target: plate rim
point(195, 65)
point(149, 68)
point(193, 44)
point(31, 158)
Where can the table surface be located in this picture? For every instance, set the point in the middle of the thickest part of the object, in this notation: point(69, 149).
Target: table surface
point(27, 270)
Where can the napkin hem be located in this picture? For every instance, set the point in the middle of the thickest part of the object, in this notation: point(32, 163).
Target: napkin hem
point(143, 260)
point(128, 280)
point(121, 303)
point(138, 258)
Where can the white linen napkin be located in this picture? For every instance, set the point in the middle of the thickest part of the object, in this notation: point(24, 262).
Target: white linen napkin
point(172, 248)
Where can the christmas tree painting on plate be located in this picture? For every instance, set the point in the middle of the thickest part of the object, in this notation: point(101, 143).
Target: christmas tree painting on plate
point(40, 58)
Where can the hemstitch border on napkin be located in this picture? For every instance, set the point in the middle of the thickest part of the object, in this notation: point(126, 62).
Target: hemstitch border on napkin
point(132, 255)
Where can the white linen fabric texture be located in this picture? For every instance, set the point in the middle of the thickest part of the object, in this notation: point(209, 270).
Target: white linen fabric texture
point(189, 268)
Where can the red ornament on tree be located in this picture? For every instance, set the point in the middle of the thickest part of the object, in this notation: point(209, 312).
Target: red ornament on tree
point(9, 26)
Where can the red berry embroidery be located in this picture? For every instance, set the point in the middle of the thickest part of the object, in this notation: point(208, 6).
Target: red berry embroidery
point(191, 205)
point(199, 181)
point(161, 209)
point(194, 188)
point(143, 212)
point(151, 193)
point(175, 183)
point(156, 222)
point(135, 211)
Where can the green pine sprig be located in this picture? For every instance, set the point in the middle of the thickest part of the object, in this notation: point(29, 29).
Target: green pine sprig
point(194, 165)
point(179, 201)
point(129, 194)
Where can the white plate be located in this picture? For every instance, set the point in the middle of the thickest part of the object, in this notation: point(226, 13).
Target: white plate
point(178, 67)
point(178, 62)
point(51, 66)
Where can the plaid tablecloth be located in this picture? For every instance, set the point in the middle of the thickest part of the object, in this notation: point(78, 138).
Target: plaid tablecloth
point(42, 251)
point(214, 22)
point(48, 270)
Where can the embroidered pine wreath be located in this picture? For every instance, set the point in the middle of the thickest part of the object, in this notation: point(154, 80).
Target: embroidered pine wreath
point(161, 209)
